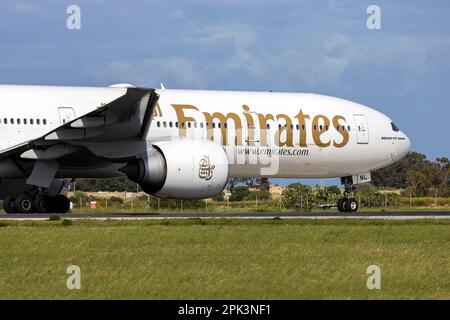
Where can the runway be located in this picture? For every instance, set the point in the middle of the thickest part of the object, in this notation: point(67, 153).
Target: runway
point(256, 215)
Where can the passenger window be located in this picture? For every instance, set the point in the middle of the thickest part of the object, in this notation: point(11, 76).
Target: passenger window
point(348, 127)
point(158, 124)
point(182, 124)
point(268, 126)
point(18, 121)
point(176, 124)
point(315, 128)
point(24, 121)
point(279, 126)
point(213, 125)
point(201, 124)
point(297, 127)
point(359, 128)
point(38, 121)
point(189, 124)
point(31, 121)
point(12, 121)
point(5, 121)
point(164, 124)
point(320, 127)
point(225, 125)
point(219, 125)
point(170, 124)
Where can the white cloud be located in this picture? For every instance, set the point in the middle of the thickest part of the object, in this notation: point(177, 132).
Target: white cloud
point(23, 7)
point(337, 62)
point(240, 36)
point(175, 72)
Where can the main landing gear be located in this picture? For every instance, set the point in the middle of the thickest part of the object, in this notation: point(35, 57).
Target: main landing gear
point(33, 201)
point(348, 204)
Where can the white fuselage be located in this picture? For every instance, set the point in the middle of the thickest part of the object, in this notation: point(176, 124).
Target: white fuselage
point(308, 135)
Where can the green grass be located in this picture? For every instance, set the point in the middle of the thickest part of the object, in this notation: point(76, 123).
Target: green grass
point(225, 259)
point(251, 210)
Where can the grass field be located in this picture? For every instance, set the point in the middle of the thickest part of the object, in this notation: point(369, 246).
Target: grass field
point(225, 259)
point(248, 209)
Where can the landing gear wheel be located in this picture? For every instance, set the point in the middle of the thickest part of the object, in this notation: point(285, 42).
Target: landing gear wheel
point(59, 204)
point(351, 205)
point(8, 204)
point(24, 203)
point(41, 203)
point(340, 205)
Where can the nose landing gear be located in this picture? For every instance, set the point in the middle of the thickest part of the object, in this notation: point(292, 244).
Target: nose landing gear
point(348, 204)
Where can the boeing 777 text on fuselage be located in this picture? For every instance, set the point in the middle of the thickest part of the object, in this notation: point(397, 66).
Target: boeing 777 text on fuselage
point(182, 143)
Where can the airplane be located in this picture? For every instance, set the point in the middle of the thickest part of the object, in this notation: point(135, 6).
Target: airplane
point(182, 144)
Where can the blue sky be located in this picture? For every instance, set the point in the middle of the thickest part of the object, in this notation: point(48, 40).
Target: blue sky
point(325, 47)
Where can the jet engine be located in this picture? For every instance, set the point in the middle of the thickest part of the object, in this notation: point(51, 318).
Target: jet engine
point(184, 169)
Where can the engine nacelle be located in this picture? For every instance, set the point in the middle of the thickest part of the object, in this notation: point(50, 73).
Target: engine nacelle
point(184, 169)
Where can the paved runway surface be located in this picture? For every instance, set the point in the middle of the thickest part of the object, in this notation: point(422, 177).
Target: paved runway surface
point(256, 215)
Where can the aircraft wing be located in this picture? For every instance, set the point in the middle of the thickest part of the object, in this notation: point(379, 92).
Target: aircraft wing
point(126, 117)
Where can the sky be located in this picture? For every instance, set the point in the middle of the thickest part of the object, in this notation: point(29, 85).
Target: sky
point(402, 69)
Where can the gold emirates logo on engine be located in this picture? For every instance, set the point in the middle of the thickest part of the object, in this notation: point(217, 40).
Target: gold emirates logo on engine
point(206, 169)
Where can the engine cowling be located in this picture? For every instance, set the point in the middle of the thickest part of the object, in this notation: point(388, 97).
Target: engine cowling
point(184, 169)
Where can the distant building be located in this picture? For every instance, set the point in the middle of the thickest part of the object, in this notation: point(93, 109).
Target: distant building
point(276, 191)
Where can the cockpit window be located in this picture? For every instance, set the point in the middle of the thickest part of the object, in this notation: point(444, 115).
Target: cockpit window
point(394, 127)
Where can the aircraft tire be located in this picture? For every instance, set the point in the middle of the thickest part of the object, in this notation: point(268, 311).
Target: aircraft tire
point(59, 204)
point(24, 203)
point(351, 205)
point(8, 204)
point(340, 205)
point(41, 203)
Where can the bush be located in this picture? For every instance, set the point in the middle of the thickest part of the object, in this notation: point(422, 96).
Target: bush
point(261, 195)
point(328, 194)
point(115, 200)
point(219, 197)
point(54, 217)
point(299, 197)
point(239, 193)
point(174, 204)
point(67, 222)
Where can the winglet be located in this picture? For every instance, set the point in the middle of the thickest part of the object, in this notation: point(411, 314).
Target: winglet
point(162, 86)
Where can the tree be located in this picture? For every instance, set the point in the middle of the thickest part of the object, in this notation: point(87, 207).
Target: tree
point(239, 193)
point(260, 194)
point(444, 187)
point(418, 175)
point(328, 194)
point(396, 174)
point(419, 183)
point(234, 181)
point(299, 196)
point(111, 184)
